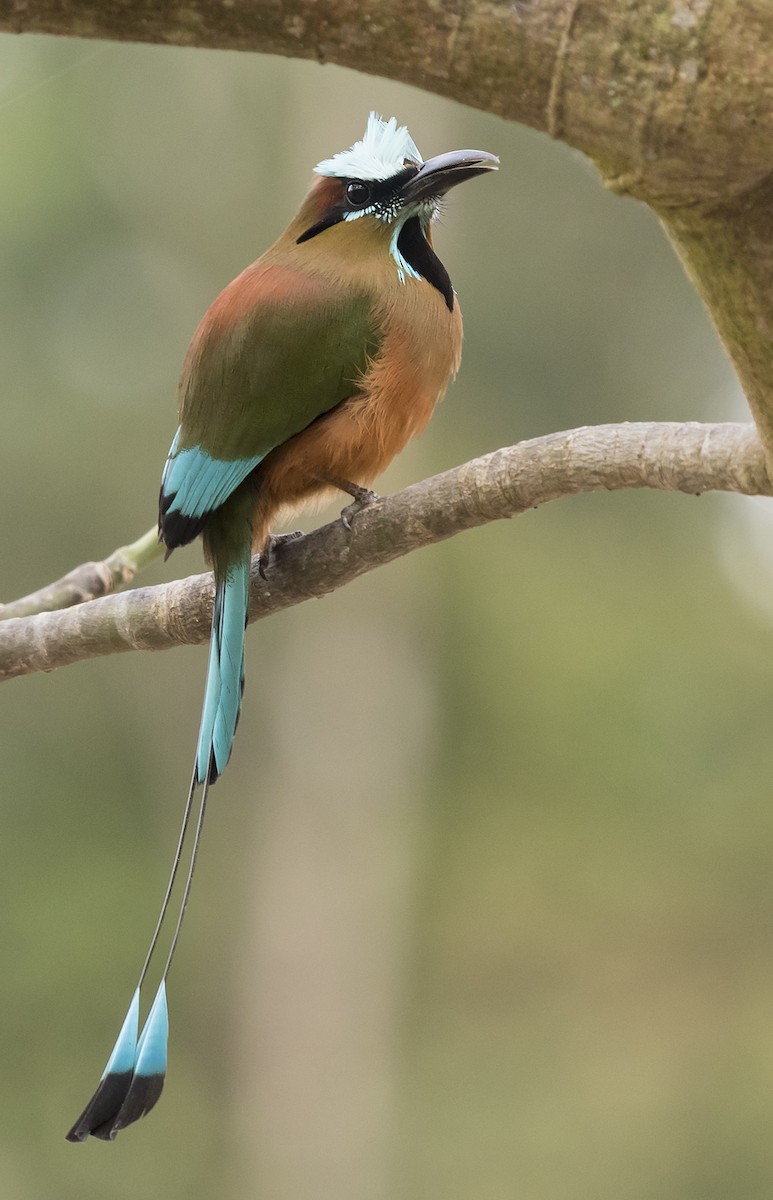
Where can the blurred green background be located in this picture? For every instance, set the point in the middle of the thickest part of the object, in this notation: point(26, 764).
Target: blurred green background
point(485, 909)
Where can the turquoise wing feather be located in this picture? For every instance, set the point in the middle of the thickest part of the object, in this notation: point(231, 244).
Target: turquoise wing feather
point(277, 349)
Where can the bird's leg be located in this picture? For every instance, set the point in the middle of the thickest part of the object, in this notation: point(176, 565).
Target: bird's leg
point(361, 498)
point(270, 545)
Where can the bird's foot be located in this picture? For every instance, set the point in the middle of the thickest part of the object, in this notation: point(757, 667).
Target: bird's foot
point(273, 541)
point(363, 498)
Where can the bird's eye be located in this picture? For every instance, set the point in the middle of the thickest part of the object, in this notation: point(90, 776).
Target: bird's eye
point(357, 193)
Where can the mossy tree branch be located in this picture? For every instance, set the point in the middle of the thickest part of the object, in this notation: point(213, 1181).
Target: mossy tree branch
point(690, 458)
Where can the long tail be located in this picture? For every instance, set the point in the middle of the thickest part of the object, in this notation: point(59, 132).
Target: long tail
point(225, 676)
point(133, 1079)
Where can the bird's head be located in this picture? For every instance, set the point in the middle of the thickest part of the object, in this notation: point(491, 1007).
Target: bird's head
point(382, 191)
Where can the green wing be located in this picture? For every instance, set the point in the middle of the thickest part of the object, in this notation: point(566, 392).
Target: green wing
point(276, 350)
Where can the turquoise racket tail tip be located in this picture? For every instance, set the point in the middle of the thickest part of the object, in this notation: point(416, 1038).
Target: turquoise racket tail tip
point(134, 1076)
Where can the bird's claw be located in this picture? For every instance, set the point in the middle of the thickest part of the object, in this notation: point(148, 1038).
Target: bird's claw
point(363, 497)
point(273, 541)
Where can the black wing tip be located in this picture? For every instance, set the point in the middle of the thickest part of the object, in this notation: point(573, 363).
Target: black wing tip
point(174, 528)
point(118, 1102)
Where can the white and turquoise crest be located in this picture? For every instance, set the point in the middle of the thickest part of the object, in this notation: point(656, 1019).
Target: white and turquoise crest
point(384, 149)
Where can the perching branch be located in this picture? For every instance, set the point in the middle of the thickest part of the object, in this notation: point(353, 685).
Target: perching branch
point(690, 458)
point(90, 580)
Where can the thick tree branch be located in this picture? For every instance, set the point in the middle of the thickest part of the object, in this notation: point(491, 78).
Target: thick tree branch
point(670, 97)
point(690, 458)
point(673, 100)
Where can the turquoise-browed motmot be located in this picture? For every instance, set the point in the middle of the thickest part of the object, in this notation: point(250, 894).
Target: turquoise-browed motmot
point(307, 375)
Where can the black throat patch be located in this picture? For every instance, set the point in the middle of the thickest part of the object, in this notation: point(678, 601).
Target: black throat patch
point(418, 253)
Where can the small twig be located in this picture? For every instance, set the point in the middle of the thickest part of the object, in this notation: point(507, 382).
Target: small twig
point(689, 458)
point(90, 580)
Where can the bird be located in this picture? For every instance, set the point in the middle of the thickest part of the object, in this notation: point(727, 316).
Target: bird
point(306, 376)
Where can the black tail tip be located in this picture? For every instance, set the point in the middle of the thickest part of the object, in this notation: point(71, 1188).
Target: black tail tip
point(103, 1106)
point(118, 1102)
